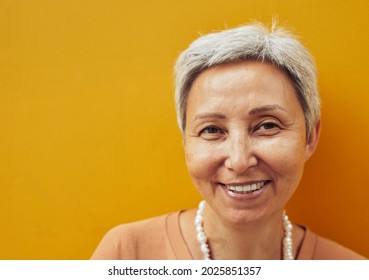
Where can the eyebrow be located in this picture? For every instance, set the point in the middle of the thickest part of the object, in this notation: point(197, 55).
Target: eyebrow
point(266, 108)
point(254, 111)
point(210, 116)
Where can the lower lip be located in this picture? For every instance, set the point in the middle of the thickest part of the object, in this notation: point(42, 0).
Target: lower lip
point(245, 196)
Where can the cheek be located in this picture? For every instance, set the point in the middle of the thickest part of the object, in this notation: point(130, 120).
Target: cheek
point(285, 158)
point(202, 161)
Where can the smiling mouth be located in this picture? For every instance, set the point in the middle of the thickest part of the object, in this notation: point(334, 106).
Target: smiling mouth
point(242, 189)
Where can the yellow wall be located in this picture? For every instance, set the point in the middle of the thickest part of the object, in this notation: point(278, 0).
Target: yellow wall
point(88, 136)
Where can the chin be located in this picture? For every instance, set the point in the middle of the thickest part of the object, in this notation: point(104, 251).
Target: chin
point(236, 216)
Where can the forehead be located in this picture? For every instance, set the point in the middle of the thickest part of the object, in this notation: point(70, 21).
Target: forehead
point(229, 73)
point(245, 83)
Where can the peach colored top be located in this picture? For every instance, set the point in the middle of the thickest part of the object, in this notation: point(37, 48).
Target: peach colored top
point(160, 238)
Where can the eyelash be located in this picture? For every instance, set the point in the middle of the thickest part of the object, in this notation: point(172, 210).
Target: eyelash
point(268, 124)
point(218, 130)
point(274, 128)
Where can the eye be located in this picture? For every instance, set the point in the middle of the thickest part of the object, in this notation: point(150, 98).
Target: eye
point(210, 130)
point(267, 128)
point(211, 133)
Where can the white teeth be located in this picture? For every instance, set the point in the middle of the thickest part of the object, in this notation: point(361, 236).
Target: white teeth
point(246, 188)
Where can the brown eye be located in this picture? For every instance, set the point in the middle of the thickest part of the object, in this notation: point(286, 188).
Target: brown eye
point(268, 126)
point(267, 129)
point(211, 130)
point(212, 133)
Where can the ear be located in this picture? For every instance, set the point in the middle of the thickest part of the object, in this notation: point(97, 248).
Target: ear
point(313, 140)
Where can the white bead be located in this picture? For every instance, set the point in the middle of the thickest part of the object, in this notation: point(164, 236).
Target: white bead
point(287, 240)
point(198, 222)
point(201, 237)
point(204, 248)
point(288, 256)
point(288, 227)
point(202, 205)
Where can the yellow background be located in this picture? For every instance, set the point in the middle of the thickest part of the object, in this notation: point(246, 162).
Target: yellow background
point(88, 135)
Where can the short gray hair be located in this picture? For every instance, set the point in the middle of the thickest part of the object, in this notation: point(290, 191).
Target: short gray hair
point(250, 42)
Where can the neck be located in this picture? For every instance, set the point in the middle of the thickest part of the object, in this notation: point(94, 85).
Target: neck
point(257, 240)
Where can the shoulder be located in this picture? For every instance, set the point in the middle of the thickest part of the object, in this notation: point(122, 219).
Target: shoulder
point(133, 240)
point(319, 248)
point(327, 249)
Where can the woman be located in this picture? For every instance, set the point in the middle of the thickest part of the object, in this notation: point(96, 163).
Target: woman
point(248, 107)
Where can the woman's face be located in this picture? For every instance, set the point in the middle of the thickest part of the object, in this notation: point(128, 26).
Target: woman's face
point(245, 140)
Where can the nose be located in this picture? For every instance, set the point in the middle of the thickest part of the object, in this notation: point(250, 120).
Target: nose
point(240, 155)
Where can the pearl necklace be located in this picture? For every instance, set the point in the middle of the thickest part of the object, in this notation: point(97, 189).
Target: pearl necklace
point(201, 237)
